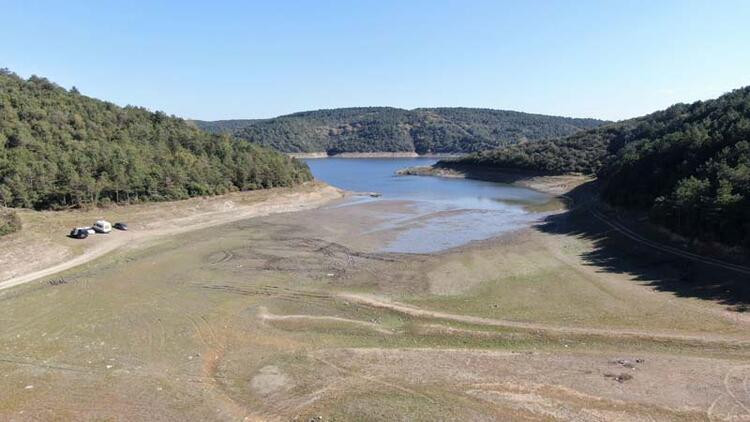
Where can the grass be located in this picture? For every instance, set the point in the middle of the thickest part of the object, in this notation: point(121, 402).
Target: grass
point(177, 323)
point(44, 233)
point(532, 282)
point(9, 222)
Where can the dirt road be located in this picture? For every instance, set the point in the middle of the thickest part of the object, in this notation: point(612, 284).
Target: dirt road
point(303, 316)
point(154, 225)
point(620, 334)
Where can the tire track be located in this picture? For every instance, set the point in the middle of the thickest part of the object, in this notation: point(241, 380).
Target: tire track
point(607, 333)
point(731, 393)
point(374, 380)
point(314, 299)
point(226, 256)
point(728, 405)
point(265, 315)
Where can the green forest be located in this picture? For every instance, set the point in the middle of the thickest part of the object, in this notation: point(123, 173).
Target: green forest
point(61, 149)
point(688, 165)
point(224, 126)
point(386, 129)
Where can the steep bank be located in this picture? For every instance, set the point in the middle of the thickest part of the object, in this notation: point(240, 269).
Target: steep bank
point(43, 235)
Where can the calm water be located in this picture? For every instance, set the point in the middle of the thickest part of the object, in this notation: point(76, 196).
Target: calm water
point(450, 212)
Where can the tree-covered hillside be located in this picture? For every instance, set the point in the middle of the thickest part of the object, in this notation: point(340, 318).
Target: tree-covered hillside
point(385, 129)
point(59, 148)
point(583, 152)
point(689, 165)
point(692, 172)
point(224, 126)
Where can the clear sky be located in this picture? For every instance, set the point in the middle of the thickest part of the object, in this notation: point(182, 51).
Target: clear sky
point(241, 59)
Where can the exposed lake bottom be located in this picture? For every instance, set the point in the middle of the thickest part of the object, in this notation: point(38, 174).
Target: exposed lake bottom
point(431, 214)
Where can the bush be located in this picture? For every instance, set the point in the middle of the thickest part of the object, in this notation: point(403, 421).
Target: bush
point(9, 222)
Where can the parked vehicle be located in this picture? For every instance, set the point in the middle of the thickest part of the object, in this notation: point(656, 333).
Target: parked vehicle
point(79, 233)
point(89, 230)
point(102, 226)
point(121, 226)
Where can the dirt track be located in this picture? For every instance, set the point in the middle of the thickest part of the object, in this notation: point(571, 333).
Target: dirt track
point(295, 316)
point(153, 229)
point(592, 332)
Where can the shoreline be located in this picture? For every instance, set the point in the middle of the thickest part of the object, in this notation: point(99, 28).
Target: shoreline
point(629, 224)
point(554, 185)
point(45, 231)
point(260, 310)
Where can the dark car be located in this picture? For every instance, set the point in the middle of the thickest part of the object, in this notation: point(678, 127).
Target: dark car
point(79, 233)
point(121, 226)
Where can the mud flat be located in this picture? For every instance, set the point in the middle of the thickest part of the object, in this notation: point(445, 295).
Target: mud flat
point(299, 316)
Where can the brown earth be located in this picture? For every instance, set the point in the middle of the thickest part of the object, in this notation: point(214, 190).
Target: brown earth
point(299, 316)
point(41, 248)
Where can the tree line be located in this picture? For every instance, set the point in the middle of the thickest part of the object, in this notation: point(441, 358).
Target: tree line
point(61, 149)
point(688, 165)
point(387, 129)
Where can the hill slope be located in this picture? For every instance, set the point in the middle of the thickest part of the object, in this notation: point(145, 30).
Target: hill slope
point(688, 165)
point(385, 129)
point(59, 148)
point(224, 126)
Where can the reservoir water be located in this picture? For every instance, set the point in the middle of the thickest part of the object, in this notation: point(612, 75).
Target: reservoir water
point(443, 212)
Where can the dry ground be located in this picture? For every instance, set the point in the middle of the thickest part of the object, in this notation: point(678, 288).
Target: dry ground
point(298, 316)
point(41, 248)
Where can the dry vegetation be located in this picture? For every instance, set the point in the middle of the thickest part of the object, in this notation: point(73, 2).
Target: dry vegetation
point(298, 317)
point(44, 233)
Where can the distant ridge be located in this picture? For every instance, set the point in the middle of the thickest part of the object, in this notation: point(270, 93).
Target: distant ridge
point(388, 129)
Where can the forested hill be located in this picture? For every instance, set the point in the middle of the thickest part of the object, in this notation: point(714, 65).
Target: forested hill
point(688, 165)
point(385, 129)
point(59, 148)
point(224, 126)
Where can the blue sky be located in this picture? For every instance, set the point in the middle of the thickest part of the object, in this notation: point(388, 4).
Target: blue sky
point(240, 59)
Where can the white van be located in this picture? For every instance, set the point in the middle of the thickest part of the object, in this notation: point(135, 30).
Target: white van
point(102, 226)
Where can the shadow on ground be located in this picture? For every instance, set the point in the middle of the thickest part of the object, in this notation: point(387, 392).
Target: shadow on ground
point(614, 252)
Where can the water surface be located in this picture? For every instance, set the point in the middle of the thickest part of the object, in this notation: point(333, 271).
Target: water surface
point(443, 212)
